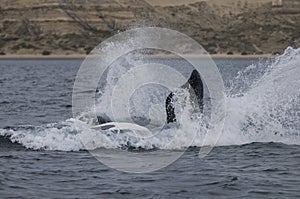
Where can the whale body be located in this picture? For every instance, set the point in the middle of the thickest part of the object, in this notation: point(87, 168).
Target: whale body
point(194, 85)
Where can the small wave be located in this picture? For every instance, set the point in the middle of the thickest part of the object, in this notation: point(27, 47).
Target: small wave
point(7, 143)
point(60, 136)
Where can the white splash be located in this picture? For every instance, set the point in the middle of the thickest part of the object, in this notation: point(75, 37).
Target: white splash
point(267, 111)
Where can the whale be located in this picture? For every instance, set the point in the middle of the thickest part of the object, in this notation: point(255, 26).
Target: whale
point(194, 85)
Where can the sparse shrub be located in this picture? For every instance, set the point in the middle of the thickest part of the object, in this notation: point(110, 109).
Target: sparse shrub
point(230, 53)
point(244, 53)
point(45, 52)
point(88, 50)
point(264, 37)
point(213, 52)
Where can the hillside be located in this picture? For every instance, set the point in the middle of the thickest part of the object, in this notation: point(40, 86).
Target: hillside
point(76, 26)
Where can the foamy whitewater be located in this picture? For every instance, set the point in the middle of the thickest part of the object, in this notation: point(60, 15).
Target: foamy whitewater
point(264, 107)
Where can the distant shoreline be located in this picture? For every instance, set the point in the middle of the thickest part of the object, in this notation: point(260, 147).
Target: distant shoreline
point(82, 56)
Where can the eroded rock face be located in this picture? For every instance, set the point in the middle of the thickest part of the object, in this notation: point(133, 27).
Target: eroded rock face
point(69, 26)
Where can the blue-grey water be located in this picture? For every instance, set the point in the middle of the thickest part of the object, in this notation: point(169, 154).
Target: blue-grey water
point(36, 93)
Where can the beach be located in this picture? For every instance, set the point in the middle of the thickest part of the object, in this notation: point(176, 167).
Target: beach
point(83, 56)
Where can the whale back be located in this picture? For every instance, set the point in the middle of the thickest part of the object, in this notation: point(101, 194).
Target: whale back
point(195, 87)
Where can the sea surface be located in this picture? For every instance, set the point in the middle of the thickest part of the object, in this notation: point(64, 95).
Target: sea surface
point(257, 156)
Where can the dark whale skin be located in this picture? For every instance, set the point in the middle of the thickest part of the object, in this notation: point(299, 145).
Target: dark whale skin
point(195, 87)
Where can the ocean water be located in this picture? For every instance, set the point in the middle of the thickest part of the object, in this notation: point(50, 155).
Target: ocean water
point(257, 155)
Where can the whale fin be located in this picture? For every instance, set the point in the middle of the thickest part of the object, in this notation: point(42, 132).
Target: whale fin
point(103, 118)
point(195, 87)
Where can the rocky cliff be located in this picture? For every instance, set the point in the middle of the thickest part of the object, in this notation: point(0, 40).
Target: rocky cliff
point(76, 26)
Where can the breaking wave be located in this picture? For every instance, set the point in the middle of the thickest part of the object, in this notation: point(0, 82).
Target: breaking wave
point(263, 105)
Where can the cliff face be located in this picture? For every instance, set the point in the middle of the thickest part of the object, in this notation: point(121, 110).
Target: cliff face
point(76, 26)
